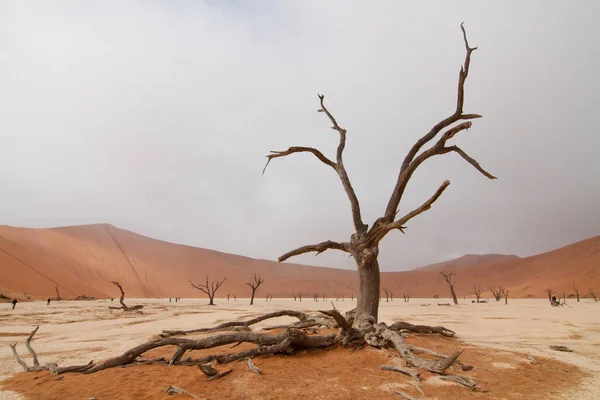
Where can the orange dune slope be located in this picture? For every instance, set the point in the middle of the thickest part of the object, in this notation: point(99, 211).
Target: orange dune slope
point(82, 260)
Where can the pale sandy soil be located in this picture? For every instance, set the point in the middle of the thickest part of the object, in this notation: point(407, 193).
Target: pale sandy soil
point(76, 332)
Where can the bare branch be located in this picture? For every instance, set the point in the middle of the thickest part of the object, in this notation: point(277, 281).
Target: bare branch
point(319, 248)
point(338, 166)
point(211, 289)
point(410, 164)
point(199, 287)
point(297, 149)
point(470, 160)
point(341, 170)
point(424, 207)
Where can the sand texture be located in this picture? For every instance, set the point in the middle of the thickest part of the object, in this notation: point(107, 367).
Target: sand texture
point(496, 339)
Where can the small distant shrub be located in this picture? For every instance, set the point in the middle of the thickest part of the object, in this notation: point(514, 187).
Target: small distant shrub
point(436, 296)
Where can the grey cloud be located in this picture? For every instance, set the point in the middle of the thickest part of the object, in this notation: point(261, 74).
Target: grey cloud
point(156, 117)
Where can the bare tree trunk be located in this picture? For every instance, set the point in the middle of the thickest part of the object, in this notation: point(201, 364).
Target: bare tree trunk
point(576, 288)
point(368, 291)
point(57, 294)
point(252, 298)
point(453, 295)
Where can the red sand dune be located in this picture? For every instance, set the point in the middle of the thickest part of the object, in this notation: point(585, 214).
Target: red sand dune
point(82, 260)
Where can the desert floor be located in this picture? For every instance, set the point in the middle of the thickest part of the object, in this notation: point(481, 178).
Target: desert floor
point(75, 332)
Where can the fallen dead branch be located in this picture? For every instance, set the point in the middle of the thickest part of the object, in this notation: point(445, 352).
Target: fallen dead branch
point(406, 395)
point(253, 367)
point(220, 375)
point(406, 371)
point(561, 348)
point(302, 317)
point(125, 307)
point(463, 380)
point(288, 341)
point(172, 390)
point(405, 326)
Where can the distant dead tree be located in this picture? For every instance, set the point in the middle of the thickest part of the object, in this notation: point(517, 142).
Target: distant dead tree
point(234, 297)
point(448, 277)
point(564, 295)
point(550, 292)
point(258, 280)
point(477, 292)
point(300, 297)
point(316, 297)
point(210, 288)
point(387, 292)
point(406, 297)
point(497, 292)
point(124, 306)
point(576, 289)
point(294, 296)
point(505, 297)
point(57, 293)
point(228, 296)
point(324, 298)
point(592, 294)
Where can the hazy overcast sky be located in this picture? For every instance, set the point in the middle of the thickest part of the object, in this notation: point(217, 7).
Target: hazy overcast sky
point(156, 116)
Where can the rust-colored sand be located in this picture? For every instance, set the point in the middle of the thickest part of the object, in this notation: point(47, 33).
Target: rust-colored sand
point(339, 373)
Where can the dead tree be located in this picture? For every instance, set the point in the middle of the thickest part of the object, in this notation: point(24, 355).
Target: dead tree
point(448, 277)
point(576, 289)
point(592, 294)
point(363, 245)
point(477, 292)
point(211, 289)
point(57, 293)
point(550, 292)
point(300, 297)
point(124, 306)
point(497, 292)
point(387, 293)
point(254, 286)
point(505, 297)
point(360, 325)
point(234, 297)
point(228, 296)
point(316, 297)
point(406, 297)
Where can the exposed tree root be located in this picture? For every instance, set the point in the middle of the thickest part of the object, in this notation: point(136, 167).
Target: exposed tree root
point(245, 324)
point(292, 339)
point(463, 380)
point(406, 371)
point(405, 326)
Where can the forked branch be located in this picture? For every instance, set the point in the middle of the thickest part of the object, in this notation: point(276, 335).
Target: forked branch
point(338, 166)
point(412, 161)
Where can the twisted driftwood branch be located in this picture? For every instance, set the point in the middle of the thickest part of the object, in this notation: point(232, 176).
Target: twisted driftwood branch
point(125, 307)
